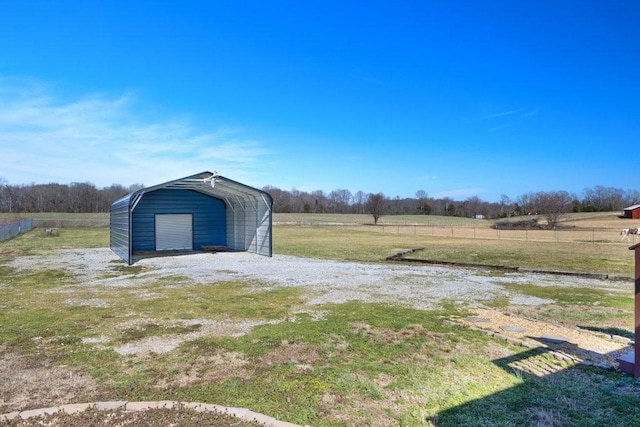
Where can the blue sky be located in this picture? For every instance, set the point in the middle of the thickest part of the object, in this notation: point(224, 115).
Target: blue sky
point(456, 98)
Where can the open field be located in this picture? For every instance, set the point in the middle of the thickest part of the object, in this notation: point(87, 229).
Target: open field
point(603, 227)
point(58, 219)
point(610, 220)
point(361, 245)
point(339, 339)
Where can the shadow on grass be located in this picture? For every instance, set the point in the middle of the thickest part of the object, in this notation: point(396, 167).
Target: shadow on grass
point(610, 331)
point(553, 389)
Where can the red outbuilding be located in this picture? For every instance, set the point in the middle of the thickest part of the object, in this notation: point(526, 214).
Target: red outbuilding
point(632, 212)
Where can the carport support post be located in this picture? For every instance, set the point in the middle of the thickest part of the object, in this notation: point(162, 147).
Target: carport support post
point(630, 363)
point(636, 346)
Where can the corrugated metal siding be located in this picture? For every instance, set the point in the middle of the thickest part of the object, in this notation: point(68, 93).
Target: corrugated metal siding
point(236, 228)
point(249, 225)
point(209, 215)
point(263, 235)
point(119, 229)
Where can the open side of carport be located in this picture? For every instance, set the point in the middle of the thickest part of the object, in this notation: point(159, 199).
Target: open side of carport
point(194, 213)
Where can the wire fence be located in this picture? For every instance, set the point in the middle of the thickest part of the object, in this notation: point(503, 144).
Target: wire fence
point(71, 222)
point(599, 235)
point(12, 229)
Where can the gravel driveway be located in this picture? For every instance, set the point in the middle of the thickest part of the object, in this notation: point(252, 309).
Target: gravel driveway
point(326, 281)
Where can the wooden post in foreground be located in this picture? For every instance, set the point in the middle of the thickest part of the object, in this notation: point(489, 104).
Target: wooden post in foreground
point(630, 362)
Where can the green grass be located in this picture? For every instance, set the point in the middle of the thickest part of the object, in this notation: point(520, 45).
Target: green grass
point(607, 311)
point(364, 219)
point(59, 215)
point(67, 238)
point(566, 296)
point(371, 246)
point(336, 364)
point(530, 403)
point(344, 355)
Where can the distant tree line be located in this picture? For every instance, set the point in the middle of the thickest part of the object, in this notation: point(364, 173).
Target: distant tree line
point(77, 197)
point(596, 199)
point(80, 197)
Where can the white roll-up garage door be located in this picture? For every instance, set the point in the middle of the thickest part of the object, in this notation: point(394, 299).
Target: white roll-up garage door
point(174, 232)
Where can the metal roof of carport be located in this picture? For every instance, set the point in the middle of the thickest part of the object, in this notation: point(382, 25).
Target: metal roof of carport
point(250, 207)
point(212, 184)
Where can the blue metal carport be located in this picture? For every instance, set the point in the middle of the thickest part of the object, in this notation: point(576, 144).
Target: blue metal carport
point(192, 213)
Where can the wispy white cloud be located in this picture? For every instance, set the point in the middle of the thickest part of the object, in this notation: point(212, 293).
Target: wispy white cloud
point(499, 127)
point(520, 113)
point(366, 77)
point(105, 140)
point(530, 113)
point(507, 119)
point(501, 114)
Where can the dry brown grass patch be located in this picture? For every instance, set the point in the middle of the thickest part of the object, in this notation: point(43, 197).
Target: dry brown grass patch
point(564, 315)
point(292, 352)
point(393, 337)
point(364, 411)
point(543, 417)
point(28, 381)
point(205, 369)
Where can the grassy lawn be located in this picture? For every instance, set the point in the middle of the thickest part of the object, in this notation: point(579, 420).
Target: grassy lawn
point(360, 245)
point(331, 365)
point(364, 219)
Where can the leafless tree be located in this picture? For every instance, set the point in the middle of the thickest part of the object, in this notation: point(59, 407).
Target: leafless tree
point(11, 198)
point(604, 199)
point(86, 197)
point(553, 205)
point(505, 206)
point(3, 197)
point(474, 207)
point(359, 200)
point(319, 202)
point(76, 197)
point(632, 197)
point(339, 200)
point(297, 202)
point(423, 205)
point(376, 206)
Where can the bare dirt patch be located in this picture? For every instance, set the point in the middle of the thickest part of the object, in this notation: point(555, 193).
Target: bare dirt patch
point(166, 343)
point(26, 380)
